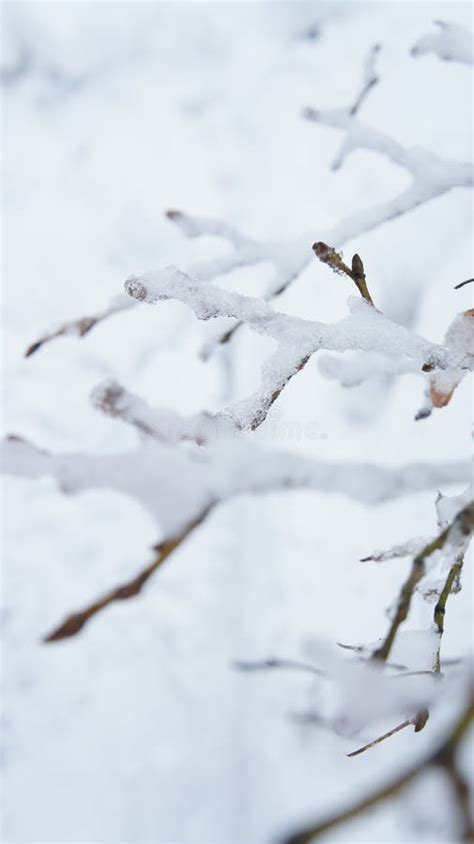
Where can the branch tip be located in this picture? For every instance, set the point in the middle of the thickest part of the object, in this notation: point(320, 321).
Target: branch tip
point(463, 283)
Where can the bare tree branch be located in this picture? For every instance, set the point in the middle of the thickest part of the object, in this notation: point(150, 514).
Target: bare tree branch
point(81, 327)
point(75, 622)
point(468, 281)
point(440, 608)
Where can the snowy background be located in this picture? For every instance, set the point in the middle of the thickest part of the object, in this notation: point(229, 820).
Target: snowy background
point(140, 729)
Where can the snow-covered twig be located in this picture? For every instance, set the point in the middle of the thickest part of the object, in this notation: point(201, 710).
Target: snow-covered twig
point(406, 549)
point(455, 536)
point(81, 327)
point(370, 77)
point(288, 258)
point(245, 252)
point(193, 226)
point(450, 43)
point(160, 423)
point(432, 176)
point(440, 385)
point(278, 664)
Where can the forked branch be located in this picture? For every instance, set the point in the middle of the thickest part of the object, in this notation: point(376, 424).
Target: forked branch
point(432, 177)
point(458, 532)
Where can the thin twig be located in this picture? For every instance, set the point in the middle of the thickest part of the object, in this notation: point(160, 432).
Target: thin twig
point(363, 650)
point(76, 621)
point(440, 608)
point(381, 738)
point(418, 721)
point(468, 281)
point(81, 327)
point(262, 412)
point(370, 78)
point(464, 522)
point(406, 594)
point(277, 663)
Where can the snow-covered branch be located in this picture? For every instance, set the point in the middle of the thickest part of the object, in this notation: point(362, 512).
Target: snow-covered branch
point(180, 487)
point(440, 384)
point(369, 79)
point(176, 484)
point(193, 226)
point(297, 339)
point(432, 176)
point(451, 43)
point(160, 423)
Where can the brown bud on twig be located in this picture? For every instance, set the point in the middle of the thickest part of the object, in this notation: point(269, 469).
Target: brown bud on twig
point(333, 259)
